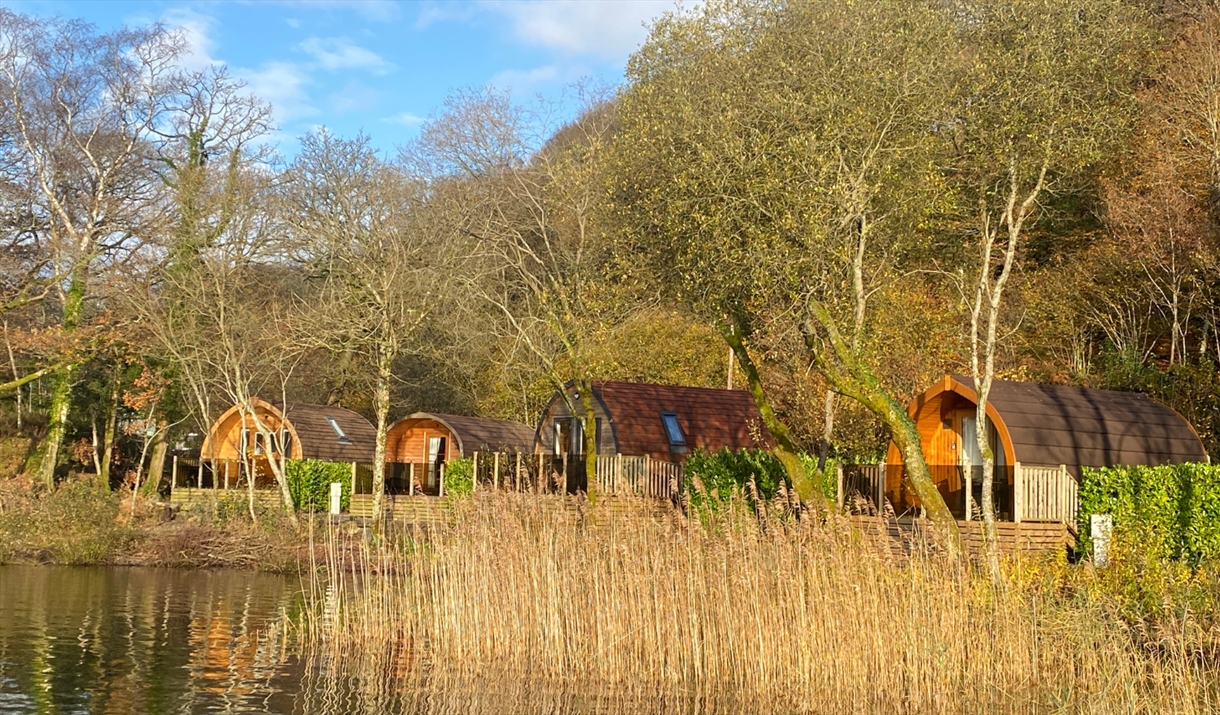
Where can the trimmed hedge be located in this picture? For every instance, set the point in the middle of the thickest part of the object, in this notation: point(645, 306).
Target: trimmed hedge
point(309, 481)
point(459, 477)
point(721, 474)
point(1171, 511)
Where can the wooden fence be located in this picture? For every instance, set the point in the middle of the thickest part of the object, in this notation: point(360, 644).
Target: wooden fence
point(617, 474)
point(1045, 494)
point(1023, 493)
point(644, 476)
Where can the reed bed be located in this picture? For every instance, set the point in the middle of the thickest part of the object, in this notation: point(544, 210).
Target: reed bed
point(767, 612)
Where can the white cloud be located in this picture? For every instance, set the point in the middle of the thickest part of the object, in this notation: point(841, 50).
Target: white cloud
point(373, 10)
point(609, 30)
point(522, 80)
point(283, 84)
point(354, 96)
point(406, 119)
point(434, 12)
point(334, 53)
point(293, 23)
point(196, 31)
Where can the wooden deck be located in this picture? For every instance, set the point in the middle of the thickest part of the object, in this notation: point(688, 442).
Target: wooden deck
point(192, 497)
point(900, 537)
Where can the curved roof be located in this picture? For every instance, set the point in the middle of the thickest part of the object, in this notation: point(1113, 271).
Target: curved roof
point(1076, 426)
point(313, 435)
point(710, 418)
point(318, 439)
point(481, 434)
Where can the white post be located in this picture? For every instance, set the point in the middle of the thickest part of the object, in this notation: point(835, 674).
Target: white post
point(1018, 493)
point(495, 471)
point(1101, 527)
point(336, 498)
point(618, 472)
point(411, 478)
point(442, 477)
point(227, 474)
point(353, 477)
point(173, 480)
point(474, 473)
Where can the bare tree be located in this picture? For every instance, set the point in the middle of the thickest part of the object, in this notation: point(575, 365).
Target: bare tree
point(531, 198)
point(383, 267)
point(80, 107)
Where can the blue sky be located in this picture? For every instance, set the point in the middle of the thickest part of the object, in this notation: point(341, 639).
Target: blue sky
point(382, 66)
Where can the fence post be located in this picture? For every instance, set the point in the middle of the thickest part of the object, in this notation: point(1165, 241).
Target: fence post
point(1063, 494)
point(442, 481)
point(353, 477)
point(227, 474)
point(474, 473)
point(1018, 493)
point(411, 478)
point(517, 474)
point(173, 480)
point(199, 483)
point(969, 470)
point(495, 471)
point(839, 487)
point(618, 472)
point(881, 477)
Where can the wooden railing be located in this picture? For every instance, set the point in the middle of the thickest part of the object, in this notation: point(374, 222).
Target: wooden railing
point(617, 474)
point(623, 475)
point(1045, 494)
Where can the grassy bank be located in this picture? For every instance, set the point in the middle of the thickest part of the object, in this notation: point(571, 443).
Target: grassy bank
point(81, 523)
point(785, 613)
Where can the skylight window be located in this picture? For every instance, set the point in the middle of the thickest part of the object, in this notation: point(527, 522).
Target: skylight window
point(338, 431)
point(673, 429)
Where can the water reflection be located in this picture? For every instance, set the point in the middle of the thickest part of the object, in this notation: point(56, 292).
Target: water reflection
point(115, 640)
point(129, 640)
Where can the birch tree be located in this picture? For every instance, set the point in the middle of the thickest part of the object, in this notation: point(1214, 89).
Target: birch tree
point(532, 195)
point(384, 269)
point(1050, 92)
point(80, 107)
point(775, 156)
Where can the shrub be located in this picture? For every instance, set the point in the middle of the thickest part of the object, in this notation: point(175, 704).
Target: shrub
point(459, 477)
point(309, 481)
point(77, 523)
point(724, 473)
point(1171, 511)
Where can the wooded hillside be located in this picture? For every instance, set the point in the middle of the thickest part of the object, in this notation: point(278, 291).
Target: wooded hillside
point(852, 198)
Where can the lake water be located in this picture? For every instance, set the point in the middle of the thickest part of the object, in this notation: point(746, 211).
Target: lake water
point(129, 640)
point(137, 640)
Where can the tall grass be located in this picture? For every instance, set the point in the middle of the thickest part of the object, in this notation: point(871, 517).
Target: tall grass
point(781, 612)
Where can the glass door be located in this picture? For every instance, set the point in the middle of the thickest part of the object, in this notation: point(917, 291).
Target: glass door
point(436, 460)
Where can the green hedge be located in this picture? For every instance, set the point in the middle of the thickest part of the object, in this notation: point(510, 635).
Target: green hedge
point(309, 481)
point(459, 477)
point(1172, 511)
point(726, 472)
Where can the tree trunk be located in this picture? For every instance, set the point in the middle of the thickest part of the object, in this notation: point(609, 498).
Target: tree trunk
point(809, 488)
point(61, 396)
point(982, 431)
point(382, 406)
point(112, 417)
point(156, 463)
point(590, 419)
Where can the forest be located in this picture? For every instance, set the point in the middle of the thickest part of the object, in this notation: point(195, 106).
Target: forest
point(850, 199)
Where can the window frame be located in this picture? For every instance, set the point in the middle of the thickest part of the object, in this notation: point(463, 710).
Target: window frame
point(665, 417)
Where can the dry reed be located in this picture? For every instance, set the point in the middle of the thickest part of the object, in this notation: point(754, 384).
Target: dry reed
point(786, 614)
